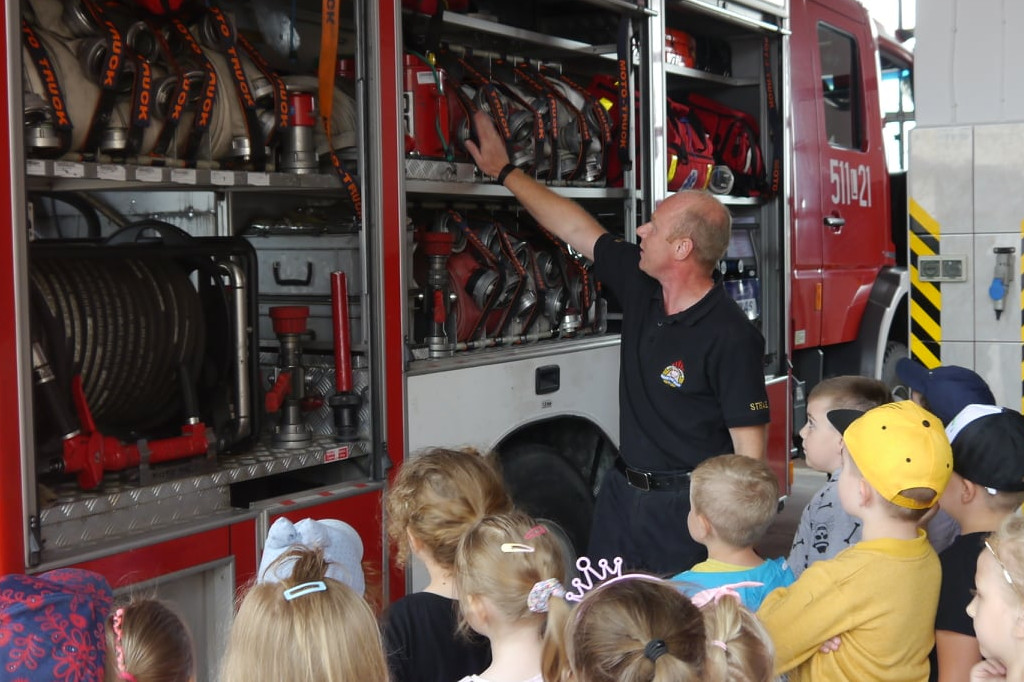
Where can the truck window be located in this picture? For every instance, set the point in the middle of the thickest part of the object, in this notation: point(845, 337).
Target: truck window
point(897, 99)
point(840, 84)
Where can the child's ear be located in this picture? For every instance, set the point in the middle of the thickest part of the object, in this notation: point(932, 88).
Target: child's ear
point(968, 490)
point(475, 605)
point(865, 492)
point(703, 527)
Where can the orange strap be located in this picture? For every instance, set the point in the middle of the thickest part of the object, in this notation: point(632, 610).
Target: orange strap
point(329, 26)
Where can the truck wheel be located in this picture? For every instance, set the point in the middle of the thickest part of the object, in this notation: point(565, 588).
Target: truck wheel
point(894, 350)
point(545, 485)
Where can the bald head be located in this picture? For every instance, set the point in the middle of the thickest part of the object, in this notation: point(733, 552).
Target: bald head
point(704, 219)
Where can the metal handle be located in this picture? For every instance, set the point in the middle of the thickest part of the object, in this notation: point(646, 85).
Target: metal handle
point(281, 281)
point(835, 223)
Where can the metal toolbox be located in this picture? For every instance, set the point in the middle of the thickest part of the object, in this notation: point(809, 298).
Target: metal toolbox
point(301, 265)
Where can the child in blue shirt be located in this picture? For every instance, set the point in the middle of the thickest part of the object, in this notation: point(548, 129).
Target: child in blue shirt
point(733, 501)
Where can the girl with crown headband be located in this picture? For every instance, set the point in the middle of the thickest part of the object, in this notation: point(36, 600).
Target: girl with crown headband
point(640, 628)
point(509, 573)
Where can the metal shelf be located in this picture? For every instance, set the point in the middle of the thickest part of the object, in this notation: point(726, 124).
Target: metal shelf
point(491, 190)
point(86, 175)
point(762, 18)
point(706, 77)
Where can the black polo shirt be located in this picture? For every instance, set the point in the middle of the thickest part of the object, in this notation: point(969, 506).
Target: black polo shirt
point(685, 378)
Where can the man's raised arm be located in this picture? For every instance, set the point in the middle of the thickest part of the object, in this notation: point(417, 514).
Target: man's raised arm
point(563, 217)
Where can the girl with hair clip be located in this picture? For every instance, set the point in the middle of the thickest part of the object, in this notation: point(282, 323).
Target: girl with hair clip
point(435, 498)
point(998, 605)
point(509, 572)
point(739, 649)
point(306, 628)
point(147, 641)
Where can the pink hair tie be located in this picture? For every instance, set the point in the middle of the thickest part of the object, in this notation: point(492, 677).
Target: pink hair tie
point(713, 594)
point(720, 644)
point(122, 672)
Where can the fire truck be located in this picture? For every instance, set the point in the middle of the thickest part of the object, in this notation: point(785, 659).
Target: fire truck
point(251, 267)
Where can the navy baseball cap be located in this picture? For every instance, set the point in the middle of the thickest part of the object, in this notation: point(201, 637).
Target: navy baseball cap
point(947, 388)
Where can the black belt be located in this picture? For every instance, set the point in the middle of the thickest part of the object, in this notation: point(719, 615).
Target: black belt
point(646, 480)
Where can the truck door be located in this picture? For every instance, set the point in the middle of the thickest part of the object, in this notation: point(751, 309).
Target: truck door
point(854, 213)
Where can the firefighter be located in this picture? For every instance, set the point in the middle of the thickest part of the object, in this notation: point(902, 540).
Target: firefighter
point(691, 382)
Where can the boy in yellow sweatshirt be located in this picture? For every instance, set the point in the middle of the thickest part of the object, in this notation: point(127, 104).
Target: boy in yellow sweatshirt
point(878, 598)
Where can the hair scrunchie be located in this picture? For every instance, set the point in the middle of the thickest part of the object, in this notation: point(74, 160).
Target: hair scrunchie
point(540, 594)
point(655, 649)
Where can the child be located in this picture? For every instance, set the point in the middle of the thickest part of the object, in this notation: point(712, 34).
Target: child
point(945, 390)
point(506, 569)
point(148, 642)
point(733, 501)
point(306, 628)
point(638, 627)
point(879, 596)
point(436, 497)
point(825, 529)
point(987, 485)
point(997, 603)
point(739, 649)
point(51, 625)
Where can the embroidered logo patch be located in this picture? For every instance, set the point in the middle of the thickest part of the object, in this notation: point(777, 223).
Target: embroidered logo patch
point(673, 375)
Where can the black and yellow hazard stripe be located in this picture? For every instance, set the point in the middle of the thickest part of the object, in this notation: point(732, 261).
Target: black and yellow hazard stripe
point(926, 297)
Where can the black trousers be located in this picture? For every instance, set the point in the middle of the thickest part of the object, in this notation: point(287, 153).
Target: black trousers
point(647, 529)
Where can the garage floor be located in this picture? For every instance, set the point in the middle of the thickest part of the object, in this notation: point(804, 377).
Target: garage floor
point(780, 536)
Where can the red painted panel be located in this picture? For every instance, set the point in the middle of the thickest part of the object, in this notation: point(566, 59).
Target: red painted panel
point(804, 317)
point(835, 182)
point(362, 512)
point(242, 539)
point(846, 293)
point(12, 539)
point(779, 432)
point(393, 228)
point(154, 561)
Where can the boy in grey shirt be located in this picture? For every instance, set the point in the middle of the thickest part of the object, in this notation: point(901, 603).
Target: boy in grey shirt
point(825, 529)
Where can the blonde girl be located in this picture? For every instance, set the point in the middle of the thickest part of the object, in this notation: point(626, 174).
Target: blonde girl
point(509, 572)
point(998, 605)
point(739, 649)
point(147, 641)
point(306, 628)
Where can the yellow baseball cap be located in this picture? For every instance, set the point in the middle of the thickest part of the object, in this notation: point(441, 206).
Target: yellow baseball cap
point(897, 446)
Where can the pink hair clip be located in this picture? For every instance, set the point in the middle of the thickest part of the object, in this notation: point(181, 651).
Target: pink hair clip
point(535, 532)
point(122, 672)
point(713, 594)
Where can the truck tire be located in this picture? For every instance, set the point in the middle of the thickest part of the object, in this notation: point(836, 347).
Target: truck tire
point(894, 350)
point(546, 486)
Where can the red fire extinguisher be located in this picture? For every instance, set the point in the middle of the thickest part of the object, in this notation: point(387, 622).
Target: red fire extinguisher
point(425, 109)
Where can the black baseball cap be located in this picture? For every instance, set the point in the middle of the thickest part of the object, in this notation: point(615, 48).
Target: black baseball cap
point(988, 447)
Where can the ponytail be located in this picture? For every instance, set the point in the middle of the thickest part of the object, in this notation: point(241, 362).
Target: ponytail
point(739, 649)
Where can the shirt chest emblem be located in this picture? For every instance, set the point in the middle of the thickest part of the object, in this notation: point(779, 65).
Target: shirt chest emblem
point(673, 375)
